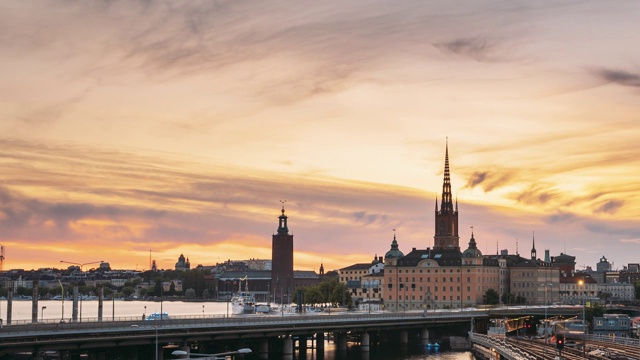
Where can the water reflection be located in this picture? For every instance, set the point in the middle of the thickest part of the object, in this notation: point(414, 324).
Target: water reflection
point(388, 351)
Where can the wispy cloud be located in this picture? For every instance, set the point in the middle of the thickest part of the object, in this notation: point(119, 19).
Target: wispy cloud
point(476, 48)
point(620, 77)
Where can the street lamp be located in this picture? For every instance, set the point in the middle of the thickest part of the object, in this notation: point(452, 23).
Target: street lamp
point(546, 324)
point(42, 314)
point(181, 353)
point(584, 319)
point(81, 265)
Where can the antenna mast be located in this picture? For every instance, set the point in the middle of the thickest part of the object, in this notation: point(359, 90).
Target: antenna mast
point(1, 258)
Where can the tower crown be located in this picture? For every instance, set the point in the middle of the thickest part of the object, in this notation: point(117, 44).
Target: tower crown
point(282, 226)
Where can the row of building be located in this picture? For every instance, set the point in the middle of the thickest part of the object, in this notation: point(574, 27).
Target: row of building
point(445, 276)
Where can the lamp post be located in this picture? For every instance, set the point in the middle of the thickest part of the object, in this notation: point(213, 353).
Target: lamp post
point(81, 265)
point(181, 353)
point(584, 319)
point(546, 324)
point(62, 290)
point(42, 314)
point(156, 329)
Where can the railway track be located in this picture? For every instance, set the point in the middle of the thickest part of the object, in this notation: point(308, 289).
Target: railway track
point(549, 352)
point(614, 350)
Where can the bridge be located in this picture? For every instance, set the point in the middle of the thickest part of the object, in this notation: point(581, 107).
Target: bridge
point(129, 336)
point(142, 339)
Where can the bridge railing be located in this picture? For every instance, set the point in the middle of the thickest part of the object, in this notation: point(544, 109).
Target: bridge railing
point(223, 321)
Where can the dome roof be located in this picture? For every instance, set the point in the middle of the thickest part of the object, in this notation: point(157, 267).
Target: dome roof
point(472, 251)
point(394, 252)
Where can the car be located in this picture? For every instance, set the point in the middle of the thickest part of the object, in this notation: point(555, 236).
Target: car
point(156, 316)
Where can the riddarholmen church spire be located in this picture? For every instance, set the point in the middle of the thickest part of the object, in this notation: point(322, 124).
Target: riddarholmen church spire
point(446, 236)
point(447, 203)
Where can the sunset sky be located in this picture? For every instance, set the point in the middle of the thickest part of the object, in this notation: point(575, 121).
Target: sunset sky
point(177, 127)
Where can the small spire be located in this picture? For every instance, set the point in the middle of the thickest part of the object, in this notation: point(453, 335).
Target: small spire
point(436, 202)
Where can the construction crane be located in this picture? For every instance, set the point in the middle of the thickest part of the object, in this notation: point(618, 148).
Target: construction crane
point(1, 258)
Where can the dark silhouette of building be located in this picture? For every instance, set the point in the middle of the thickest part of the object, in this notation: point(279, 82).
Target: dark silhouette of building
point(446, 236)
point(282, 262)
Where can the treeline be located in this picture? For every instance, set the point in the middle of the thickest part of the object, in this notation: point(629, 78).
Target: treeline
point(329, 292)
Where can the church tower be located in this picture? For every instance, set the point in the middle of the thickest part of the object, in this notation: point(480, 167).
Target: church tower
point(446, 236)
point(282, 262)
point(533, 249)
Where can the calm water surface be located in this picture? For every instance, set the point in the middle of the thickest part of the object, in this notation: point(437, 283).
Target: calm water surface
point(53, 309)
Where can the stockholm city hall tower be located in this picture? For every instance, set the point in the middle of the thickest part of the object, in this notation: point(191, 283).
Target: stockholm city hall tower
point(446, 236)
point(282, 261)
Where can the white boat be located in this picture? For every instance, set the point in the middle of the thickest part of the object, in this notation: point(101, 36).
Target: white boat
point(243, 302)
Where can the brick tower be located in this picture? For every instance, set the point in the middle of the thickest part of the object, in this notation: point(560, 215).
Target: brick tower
point(282, 262)
point(446, 236)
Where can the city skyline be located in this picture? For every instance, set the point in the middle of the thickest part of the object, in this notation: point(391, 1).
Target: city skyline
point(134, 126)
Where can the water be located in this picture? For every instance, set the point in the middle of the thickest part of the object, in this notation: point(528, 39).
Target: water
point(53, 309)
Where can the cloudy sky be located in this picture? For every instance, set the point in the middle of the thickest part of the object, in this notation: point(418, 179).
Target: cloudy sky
point(129, 127)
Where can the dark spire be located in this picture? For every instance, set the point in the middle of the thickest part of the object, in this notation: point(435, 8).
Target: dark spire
point(436, 202)
point(533, 249)
point(472, 241)
point(447, 204)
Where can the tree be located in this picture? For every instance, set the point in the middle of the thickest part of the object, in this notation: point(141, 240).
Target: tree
point(206, 294)
point(313, 296)
point(491, 297)
point(128, 291)
point(508, 298)
point(190, 293)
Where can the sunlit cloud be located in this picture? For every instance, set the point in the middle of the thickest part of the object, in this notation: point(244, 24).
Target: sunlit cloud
point(178, 127)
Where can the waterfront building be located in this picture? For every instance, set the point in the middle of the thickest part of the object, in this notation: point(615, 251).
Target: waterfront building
point(183, 263)
point(442, 276)
point(363, 279)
